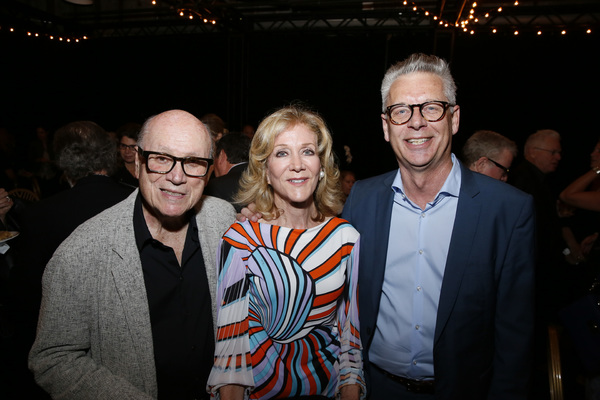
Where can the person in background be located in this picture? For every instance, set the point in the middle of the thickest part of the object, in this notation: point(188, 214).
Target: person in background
point(489, 153)
point(347, 179)
point(288, 315)
point(542, 153)
point(86, 155)
point(140, 323)
point(248, 130)
point(583, 194)
point(231, 160)
point(215, 125)
point(127, 136)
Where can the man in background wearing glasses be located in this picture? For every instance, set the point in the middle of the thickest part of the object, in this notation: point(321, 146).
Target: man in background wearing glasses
point(489, 153)
point(542, 154)
point(446, 286)
point(127, 308)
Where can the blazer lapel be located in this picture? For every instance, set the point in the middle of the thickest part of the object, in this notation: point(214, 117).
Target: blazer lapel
point(461, 245)
point(377, 238)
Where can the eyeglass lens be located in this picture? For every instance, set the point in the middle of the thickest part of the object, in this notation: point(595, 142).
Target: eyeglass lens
point(162, 163)
point(430, 111)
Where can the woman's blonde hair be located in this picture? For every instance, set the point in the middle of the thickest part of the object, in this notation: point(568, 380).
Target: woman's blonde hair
point(253, 183)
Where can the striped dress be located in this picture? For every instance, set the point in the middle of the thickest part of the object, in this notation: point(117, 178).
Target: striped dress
point(287, 322)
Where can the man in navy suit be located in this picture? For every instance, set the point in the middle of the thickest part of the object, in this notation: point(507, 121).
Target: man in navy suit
point(446, 256)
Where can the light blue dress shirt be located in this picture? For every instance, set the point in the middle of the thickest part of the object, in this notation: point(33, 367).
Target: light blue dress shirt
point(416, 259)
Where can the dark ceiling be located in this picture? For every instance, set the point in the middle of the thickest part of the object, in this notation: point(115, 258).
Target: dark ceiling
point(258, 55)
point(121, 18)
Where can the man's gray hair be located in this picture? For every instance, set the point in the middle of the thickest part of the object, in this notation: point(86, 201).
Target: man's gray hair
point(419, 62)
point(537, 138)
point(486, 144)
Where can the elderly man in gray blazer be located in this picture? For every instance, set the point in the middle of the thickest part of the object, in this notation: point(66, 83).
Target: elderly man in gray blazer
point(127, 310)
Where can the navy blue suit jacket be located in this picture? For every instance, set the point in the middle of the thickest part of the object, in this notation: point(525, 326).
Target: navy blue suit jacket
point(484, 327)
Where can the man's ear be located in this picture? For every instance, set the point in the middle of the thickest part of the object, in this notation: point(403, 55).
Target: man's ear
point(479, 165)
point(384, 124)
point(223, 156)
point(137, 164)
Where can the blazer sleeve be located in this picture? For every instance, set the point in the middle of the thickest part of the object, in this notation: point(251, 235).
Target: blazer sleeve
point(515, 311)
point(61, 358)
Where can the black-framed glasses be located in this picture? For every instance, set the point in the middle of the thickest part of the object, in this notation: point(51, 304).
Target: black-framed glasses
point(497, 164)
point(163, 163)
point(124, 146)
point(552, 152)
point(431, 111)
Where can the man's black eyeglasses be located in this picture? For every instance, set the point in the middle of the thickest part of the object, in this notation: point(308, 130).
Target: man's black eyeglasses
point(502, 167)
point(431, 111)
point(163, 163)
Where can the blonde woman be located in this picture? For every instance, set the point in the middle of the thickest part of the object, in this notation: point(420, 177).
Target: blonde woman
point(287, 307)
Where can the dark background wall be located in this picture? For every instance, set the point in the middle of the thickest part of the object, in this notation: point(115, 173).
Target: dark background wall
point(514, 85)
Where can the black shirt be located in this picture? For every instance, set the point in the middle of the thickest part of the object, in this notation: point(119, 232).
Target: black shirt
point(180, 311)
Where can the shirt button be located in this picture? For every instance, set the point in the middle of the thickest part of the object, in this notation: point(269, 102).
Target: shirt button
point(422, 215)
point(417, 327)
point(420, 251)
point(418, 288)
point(414, 362)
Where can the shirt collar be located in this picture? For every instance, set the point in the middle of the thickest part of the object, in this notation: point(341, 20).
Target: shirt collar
point(235, 165)
point(140, 228)
point(451, 186)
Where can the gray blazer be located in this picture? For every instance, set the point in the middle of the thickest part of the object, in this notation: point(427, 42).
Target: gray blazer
point(94, 339)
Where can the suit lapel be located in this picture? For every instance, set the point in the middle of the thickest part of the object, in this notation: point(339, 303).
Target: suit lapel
point(461, 245)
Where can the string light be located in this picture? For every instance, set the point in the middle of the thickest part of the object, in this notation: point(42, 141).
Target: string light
point(470, 18)
point(49, 36)
point(473, 19)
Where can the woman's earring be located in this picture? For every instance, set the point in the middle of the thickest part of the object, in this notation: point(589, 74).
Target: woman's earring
point(321, 174)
